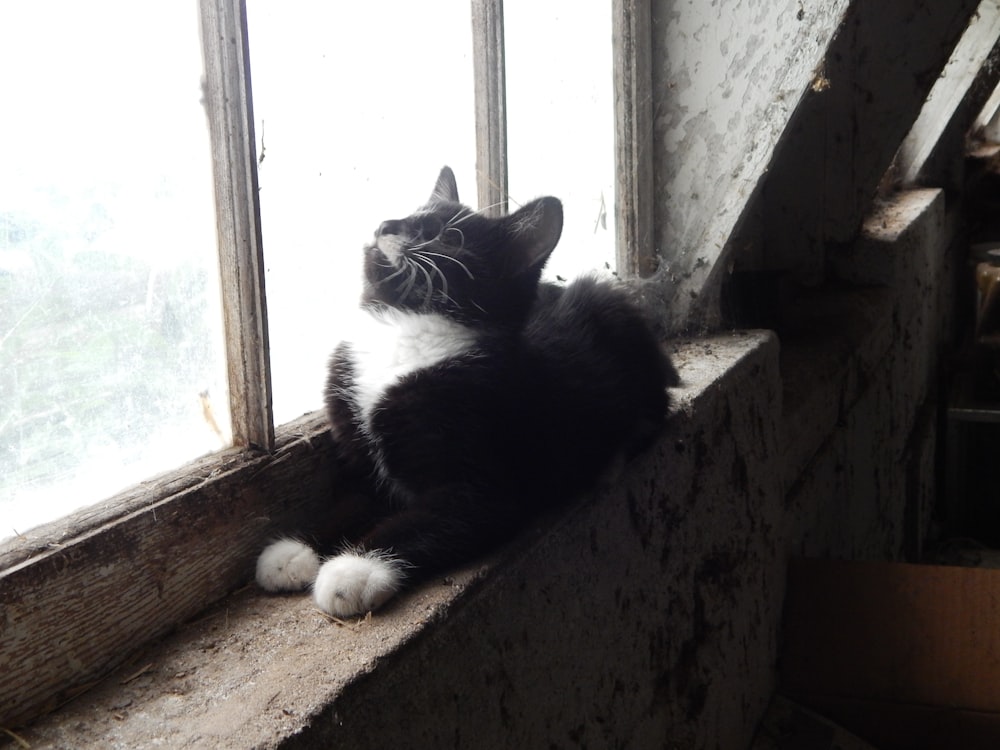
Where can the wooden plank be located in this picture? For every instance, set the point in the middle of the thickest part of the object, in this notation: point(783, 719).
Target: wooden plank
point(241, 262)
point(848, 127)
point(964, 73)
point(987, 124)
point(72, 612)
point(726, 80)
point(631, 32)
point(80, 595)
point(491, 105)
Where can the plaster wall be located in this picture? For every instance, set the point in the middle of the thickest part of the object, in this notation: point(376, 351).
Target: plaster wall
point(784, 114)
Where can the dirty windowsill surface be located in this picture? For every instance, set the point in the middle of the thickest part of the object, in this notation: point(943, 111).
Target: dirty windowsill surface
point(257, 669)
point(250, 671)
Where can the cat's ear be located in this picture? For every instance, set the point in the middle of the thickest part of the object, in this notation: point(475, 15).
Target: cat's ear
point(534, 229)
point(445, 189)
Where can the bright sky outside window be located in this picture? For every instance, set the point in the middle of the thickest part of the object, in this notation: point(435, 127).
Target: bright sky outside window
point(111, 356)
point(560, 123)
point(357, 108)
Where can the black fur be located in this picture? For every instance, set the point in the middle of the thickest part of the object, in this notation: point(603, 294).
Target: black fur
point(559, 382)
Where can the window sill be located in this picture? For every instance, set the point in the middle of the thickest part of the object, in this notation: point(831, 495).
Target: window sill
point(250, 672)
point(490, 643)
point(78, 596)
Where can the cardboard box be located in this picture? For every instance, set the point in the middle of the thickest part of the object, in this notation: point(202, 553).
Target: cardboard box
point(904, 656)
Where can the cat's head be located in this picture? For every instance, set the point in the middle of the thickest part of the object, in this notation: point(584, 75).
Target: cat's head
point(447, 258)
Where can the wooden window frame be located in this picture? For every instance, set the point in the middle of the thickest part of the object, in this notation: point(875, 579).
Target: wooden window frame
point(631, 29)
point(632, 47)
point(78, 596)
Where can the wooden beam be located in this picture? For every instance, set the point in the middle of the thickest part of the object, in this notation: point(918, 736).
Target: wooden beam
point(632, 35)
point(491, 105)
point(230, 115)
point(964, 70)
point(726, 80)
point(876, 76)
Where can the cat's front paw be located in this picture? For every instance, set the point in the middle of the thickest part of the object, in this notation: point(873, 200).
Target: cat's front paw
point(353, 583)
point(287, 565)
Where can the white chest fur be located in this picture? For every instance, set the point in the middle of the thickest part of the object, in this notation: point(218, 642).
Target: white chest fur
point(391, 344)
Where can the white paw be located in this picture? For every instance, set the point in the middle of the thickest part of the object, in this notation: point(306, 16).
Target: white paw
point(288, 565)
point(353, 583)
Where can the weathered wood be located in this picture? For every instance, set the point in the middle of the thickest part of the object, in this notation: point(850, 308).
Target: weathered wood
point(726, 80)
point(230, 115)
point(99, 591)
point(491, 105)
point(632, 44)
point(987, 124)
point(964, 87)
point(878, 72)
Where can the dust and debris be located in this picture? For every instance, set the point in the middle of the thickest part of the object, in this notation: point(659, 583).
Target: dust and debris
point(137, 675)
point(18, 739)
point(249, 672)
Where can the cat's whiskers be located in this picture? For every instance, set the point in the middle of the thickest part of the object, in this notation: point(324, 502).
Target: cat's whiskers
point(418, 256)
point(461, 234)
point(425, 243)
point(401, 269)
point(427, 275)
point(448, 257)
point(459, 217)
point(444, 279)
point(463, 212)
point(408, 264)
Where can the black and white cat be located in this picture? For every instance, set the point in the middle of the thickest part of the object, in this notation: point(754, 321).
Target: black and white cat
point(474, 397)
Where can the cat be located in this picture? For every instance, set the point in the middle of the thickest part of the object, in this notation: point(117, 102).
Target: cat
point(474, 397)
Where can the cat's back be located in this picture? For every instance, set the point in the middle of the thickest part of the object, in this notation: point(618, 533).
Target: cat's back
point(591, 319)
point(603, 366)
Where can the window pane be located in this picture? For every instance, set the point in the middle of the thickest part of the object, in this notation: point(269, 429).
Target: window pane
point(357, 108)
point(560, 122)
point(110, 325)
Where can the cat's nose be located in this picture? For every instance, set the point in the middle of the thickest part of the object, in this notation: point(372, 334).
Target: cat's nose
point(389, 228)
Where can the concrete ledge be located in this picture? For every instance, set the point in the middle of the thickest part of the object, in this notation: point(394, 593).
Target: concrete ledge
point(645, 615)
point(859, 379)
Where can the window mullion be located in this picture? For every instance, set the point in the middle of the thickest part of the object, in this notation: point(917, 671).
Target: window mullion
point(491, 105)
point(230, 114)
point(632, 35)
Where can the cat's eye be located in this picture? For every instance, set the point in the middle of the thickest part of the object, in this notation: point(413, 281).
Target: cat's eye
point(429, 228)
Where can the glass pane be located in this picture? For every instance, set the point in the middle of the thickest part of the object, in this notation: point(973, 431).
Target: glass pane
point(111, 364)
point(560, 122)
point(357, 108)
